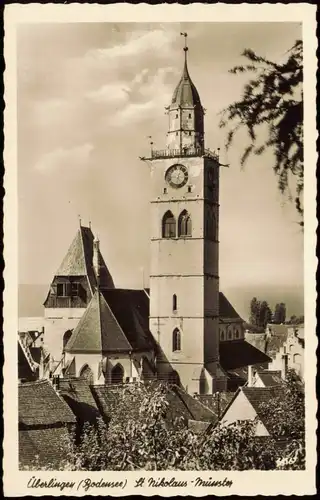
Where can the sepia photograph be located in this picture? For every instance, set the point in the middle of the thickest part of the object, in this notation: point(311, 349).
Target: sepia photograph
point(161, 215)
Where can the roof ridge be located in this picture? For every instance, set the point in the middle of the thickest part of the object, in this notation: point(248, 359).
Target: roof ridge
point(35, 382)
point(84, 256)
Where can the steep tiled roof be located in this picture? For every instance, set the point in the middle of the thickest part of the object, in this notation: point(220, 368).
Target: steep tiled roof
point(226, 310)
point(98, 330)
point(197, 409)
point(180, 404)
point(277, 329)
point(39, 404)
point(274, 343)
point(239, 353)
point(79, 260)
point(131, 309)
point(259, 395)
point(270, 377)
point(258, 340)
point(115, 320)
point(216, 402)
point(24, 369)
point(47, 446)
point(77, 394)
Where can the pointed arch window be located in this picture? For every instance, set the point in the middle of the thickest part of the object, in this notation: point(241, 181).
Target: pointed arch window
point(184, 224)
point(87, 373)
point(176, 340)
point(168, 225)
point(117, 373)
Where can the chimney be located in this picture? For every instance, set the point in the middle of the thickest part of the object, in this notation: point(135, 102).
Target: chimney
point(96, 260)
point(250, 376)
point(284, 366)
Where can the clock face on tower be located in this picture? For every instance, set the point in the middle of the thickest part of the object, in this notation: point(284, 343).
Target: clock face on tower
point(177, 176)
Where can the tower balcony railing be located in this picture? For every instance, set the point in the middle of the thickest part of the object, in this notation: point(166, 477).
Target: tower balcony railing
point(181, 153)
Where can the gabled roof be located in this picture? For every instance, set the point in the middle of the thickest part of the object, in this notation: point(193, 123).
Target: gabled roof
point(274, 343)
point(98, 330)
point(270, 378)
point(258, 395)
point(77, 394)
point(180, 404)
point(39, 404)
point(196, 408)
point(79, 260)
point(226, 310)
point(239, 353)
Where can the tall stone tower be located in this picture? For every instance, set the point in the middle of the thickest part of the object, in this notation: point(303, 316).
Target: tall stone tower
point(184, 273)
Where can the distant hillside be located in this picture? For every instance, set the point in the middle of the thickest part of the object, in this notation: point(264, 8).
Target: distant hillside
point(31, 299)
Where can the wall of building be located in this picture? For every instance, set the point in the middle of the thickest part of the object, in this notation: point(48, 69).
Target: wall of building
point(231, 330)
point(102, 366)
point(295, 352)
point(56, 327)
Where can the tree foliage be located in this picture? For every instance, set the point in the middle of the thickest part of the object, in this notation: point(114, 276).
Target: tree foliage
point(273, 99)
point(260, 313)
point(141, 437)
point(286, 415)
point(279, 316)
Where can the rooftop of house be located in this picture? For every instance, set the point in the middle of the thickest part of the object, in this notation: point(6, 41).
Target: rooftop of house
point(77, 394)
point(258, 340)
point(240, 353)
point(270, 378)
point(256, 397)
point(277, 329)
point(180, 404)
point(39, 404)
point(259, 395)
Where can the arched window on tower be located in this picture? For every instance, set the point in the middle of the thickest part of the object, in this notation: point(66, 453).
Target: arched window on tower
point(174, 303)
point(184, 224)
point(176, 340)
point(168, 225)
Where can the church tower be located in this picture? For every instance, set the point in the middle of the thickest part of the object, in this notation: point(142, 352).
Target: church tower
point(184, 272)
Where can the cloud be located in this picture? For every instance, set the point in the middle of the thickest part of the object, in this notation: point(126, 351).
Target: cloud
point(138, 44)
point(76, 157)
point(114, 93)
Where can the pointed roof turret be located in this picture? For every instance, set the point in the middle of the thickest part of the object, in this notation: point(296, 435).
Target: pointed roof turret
point(79, 260)
point(185, 93)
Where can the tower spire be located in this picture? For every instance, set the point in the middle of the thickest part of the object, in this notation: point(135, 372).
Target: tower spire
point(185, 48)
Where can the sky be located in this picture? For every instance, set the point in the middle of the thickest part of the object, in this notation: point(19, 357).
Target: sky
point(89, 95)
